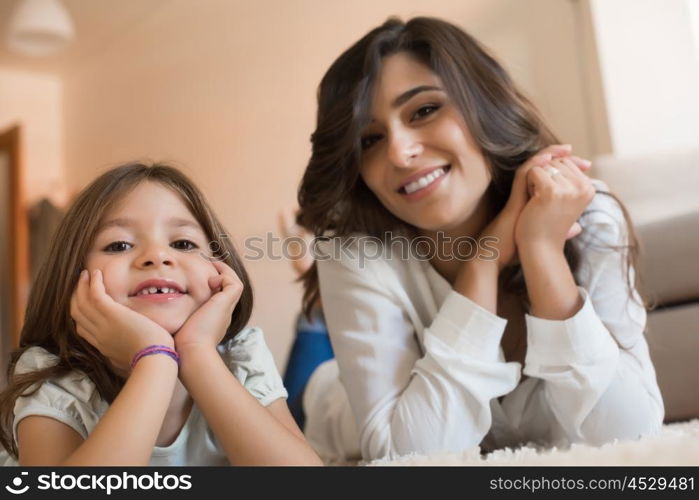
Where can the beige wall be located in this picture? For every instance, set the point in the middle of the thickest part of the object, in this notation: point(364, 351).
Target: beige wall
point(227, 90)
point(34, 102)
point(650, 74)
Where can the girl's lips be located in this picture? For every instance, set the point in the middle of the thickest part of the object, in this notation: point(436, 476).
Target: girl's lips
point(159, 298)
point(427, 190)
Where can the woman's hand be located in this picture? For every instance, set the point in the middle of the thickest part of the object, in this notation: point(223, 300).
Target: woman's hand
point(299, 241)
point(207, 326)
point(113, 329)
point(502, 228)
point(560, 192)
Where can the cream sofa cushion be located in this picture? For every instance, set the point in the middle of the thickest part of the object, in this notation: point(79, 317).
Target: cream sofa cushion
point(673, 339)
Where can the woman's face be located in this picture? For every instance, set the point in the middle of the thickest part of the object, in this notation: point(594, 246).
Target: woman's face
point(419, 158)
point(154, 256)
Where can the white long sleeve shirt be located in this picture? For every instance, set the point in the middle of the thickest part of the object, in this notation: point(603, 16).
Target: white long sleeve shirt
point(419, 367)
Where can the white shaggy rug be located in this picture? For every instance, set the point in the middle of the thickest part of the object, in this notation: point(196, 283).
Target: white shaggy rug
point(676, 444)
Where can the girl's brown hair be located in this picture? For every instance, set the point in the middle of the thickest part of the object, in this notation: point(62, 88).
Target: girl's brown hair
point(506, 126)
point(48, 323)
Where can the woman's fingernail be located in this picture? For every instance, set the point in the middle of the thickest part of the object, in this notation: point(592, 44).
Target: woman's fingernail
point(83, 274)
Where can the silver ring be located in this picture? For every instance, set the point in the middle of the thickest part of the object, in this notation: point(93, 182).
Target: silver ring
point(553, 171)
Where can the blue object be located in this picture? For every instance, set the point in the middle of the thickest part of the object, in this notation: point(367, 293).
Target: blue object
point(311, 348)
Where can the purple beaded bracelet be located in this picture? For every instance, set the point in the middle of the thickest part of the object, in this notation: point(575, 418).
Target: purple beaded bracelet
point(155, 349)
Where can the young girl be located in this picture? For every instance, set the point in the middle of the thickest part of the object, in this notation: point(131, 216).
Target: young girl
point(535, 334)
point(134, 349)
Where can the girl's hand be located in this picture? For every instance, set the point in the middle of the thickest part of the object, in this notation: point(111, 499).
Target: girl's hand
point(207, 326)
point(112, 328)
point(557, 202)
point(502, 228)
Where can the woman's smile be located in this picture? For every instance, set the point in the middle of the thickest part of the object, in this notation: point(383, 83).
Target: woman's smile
point(425, 184)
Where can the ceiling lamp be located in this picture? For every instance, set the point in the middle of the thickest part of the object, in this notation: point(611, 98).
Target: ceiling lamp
point(40, 28)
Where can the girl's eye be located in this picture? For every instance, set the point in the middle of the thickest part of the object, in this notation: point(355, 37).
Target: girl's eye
point(369, 140)
point(425, 111)
point(117, 246)
point(184, 245)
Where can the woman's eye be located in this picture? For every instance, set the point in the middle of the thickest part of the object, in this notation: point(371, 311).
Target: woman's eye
point(184, 245)
point(369, 140)
point(425, 111)
point(117, 246)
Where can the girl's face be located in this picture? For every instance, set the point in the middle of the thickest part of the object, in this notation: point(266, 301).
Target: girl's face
point(153, 256)
point(419, 158)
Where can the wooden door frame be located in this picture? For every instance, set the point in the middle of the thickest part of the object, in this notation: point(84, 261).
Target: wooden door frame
point(19, 229)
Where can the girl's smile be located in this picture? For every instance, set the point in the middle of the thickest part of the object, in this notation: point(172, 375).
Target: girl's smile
point(158, 291)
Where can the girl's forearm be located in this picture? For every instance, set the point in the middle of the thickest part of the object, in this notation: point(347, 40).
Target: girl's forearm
point(127, 432)
point(551, 287)
point(247, 431)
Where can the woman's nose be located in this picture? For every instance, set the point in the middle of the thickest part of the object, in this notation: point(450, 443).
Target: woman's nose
point(404, 148)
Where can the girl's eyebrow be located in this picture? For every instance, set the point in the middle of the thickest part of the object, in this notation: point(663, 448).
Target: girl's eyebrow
point(128, 223)
point(179, 222)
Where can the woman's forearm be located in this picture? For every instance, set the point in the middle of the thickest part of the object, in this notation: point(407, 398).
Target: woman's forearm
point(247, 431)
point(551, 287)
point(128, 431)
point(478, 281)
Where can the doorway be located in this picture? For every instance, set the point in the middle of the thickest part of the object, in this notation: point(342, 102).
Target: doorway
point(14, 252)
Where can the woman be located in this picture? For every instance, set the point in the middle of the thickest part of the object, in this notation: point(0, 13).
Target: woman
point(535, 334)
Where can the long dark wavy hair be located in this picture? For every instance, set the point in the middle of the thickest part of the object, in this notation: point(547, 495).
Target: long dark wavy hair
point(48, 323)
point(506, 126)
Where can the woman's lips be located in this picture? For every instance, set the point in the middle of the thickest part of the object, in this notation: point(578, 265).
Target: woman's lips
point(427, 190)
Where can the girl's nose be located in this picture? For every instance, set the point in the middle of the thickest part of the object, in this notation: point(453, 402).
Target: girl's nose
point(404, 148)
point(155, 256)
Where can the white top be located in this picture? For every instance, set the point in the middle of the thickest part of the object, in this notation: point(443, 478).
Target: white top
point(419, 367)
point(73, 399)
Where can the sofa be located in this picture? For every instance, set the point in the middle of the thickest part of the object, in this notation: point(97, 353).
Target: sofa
point(661, 192)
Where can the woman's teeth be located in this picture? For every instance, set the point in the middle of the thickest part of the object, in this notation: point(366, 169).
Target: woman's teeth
point(424, 181)
point(148, 291)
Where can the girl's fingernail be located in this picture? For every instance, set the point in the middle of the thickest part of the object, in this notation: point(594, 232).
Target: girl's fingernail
point(83, 274)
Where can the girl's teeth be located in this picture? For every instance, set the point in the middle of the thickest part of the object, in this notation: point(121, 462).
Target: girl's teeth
point(152, 290)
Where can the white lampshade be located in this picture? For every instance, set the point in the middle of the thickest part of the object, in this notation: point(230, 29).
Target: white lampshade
point(40, 27)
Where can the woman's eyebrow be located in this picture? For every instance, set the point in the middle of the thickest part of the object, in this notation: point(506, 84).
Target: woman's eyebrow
point(409, 94)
